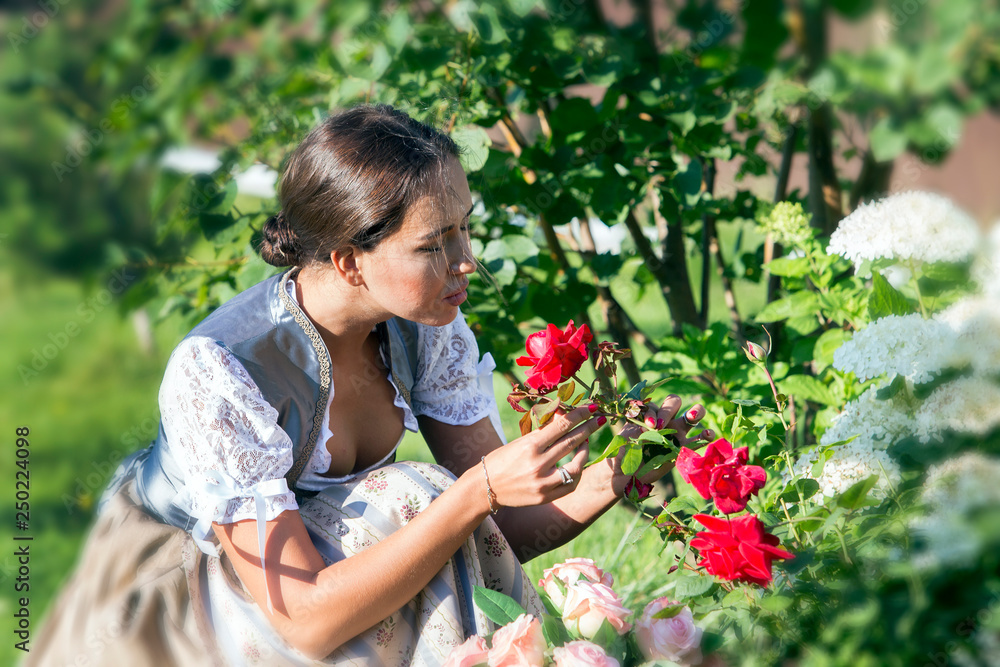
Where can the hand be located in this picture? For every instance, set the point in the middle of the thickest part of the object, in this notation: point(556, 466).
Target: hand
point(524, 472)
point(667, 415)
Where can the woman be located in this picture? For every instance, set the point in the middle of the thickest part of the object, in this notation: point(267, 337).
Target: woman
point(267, 524)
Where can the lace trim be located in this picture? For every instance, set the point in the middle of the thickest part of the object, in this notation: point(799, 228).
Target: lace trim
point(324, 377)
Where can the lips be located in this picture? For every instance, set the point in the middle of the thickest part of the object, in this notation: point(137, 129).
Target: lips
point(458, 291)
point(458, 296)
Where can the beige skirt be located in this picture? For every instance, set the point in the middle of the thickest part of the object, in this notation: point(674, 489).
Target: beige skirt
point(143, 594)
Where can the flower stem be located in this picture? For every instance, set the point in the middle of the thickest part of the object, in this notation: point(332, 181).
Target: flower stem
point(916, 287)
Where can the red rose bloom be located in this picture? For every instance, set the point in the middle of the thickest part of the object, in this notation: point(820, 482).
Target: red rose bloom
point(642, 490)
point(737, 549)
point(554, 355)
point(722, 474)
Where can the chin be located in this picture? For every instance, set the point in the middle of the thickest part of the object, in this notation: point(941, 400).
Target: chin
point(440, 317)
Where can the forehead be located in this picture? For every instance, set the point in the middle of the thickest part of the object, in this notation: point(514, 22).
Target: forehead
point(445, 202)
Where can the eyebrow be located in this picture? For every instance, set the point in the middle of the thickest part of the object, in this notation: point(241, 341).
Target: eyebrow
point(445, 230)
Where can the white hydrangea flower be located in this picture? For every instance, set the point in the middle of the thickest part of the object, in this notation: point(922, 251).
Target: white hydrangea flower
point(976, 321)
point(964, 405)
point(879, 422)
point(951, 492)
point(849, 464)
point(908, 345)
point(986, 268)
point(916, 226)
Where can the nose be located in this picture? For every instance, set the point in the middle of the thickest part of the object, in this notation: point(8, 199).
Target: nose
point(465, 262)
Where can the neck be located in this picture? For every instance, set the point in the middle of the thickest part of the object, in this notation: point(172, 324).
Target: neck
point(341, 314)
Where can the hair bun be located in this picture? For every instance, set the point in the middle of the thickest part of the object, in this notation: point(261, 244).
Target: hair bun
point(279, 246)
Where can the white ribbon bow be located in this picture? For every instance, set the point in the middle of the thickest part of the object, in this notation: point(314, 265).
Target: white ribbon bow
point(222, 488)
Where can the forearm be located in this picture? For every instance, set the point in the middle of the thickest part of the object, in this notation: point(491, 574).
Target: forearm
point(532, 531)
point(318, 608)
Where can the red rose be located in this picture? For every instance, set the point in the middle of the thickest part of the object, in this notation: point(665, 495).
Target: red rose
point(737, 549)
point(555, 355)
point(641, 489)
point(722, 474)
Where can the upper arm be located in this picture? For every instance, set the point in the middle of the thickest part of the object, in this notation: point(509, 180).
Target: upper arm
point(226, 438)
point(458, 447)
point(292, 563)
point(453, 396)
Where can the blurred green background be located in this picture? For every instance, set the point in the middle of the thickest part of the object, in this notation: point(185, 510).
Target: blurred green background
point(124, 125)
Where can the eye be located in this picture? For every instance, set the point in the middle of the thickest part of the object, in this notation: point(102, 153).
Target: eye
point(432, 249)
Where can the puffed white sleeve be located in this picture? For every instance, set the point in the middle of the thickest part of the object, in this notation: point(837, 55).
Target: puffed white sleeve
point(225, 437)
point(452, 384)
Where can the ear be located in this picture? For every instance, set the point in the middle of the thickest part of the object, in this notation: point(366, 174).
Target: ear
point(346, 266)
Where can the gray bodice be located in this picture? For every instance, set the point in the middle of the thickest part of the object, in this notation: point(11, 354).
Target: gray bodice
point(266, 331)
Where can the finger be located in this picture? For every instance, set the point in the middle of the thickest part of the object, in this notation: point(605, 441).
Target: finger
point(562, 423)
point(574, 469)
point(575, 438)
point(695, 414)
point(669, 407)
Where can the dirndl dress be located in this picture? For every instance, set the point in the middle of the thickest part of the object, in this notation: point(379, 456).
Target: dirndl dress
point(145, 594)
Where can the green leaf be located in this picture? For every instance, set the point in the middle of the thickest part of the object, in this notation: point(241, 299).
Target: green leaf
point(809, 388)
point(616, 443)
point(554, 631)
point(788, 267)
point(776, 603)
point(522, 7)
point(826, 345)
point(635, 393)
point(687, 504)
point(885, 300)
point(670, 611)
point(693, 586)
point(487, 24)
point(499, 608)
point(475, 145)
point(566, 391)
point(632, 460)
point(654, 463)
point(857, 495)
point(799, 304)
point(885, 393)
point(887, 142)
point(802, 490)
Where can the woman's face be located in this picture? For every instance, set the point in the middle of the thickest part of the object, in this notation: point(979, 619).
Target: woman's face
point(421, 271)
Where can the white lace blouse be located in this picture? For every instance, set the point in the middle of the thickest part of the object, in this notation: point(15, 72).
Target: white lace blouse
point(225, 436)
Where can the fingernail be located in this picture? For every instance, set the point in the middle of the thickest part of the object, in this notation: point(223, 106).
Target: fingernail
point(602, 420)
point(660, 423)
point(650, 422)
point(692, 414)
point(592, 407)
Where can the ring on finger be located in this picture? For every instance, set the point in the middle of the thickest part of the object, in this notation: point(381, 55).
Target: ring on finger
point(567, 478)
point(688, 420)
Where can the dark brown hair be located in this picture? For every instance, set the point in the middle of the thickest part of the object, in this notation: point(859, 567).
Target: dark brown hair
point(351, 181)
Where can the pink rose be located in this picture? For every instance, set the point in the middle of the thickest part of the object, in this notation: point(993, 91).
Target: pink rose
point(582, 654)
point(588, 605)
point(471, 653)
point(518, 644)
point(569, 572)
point(676, 638)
